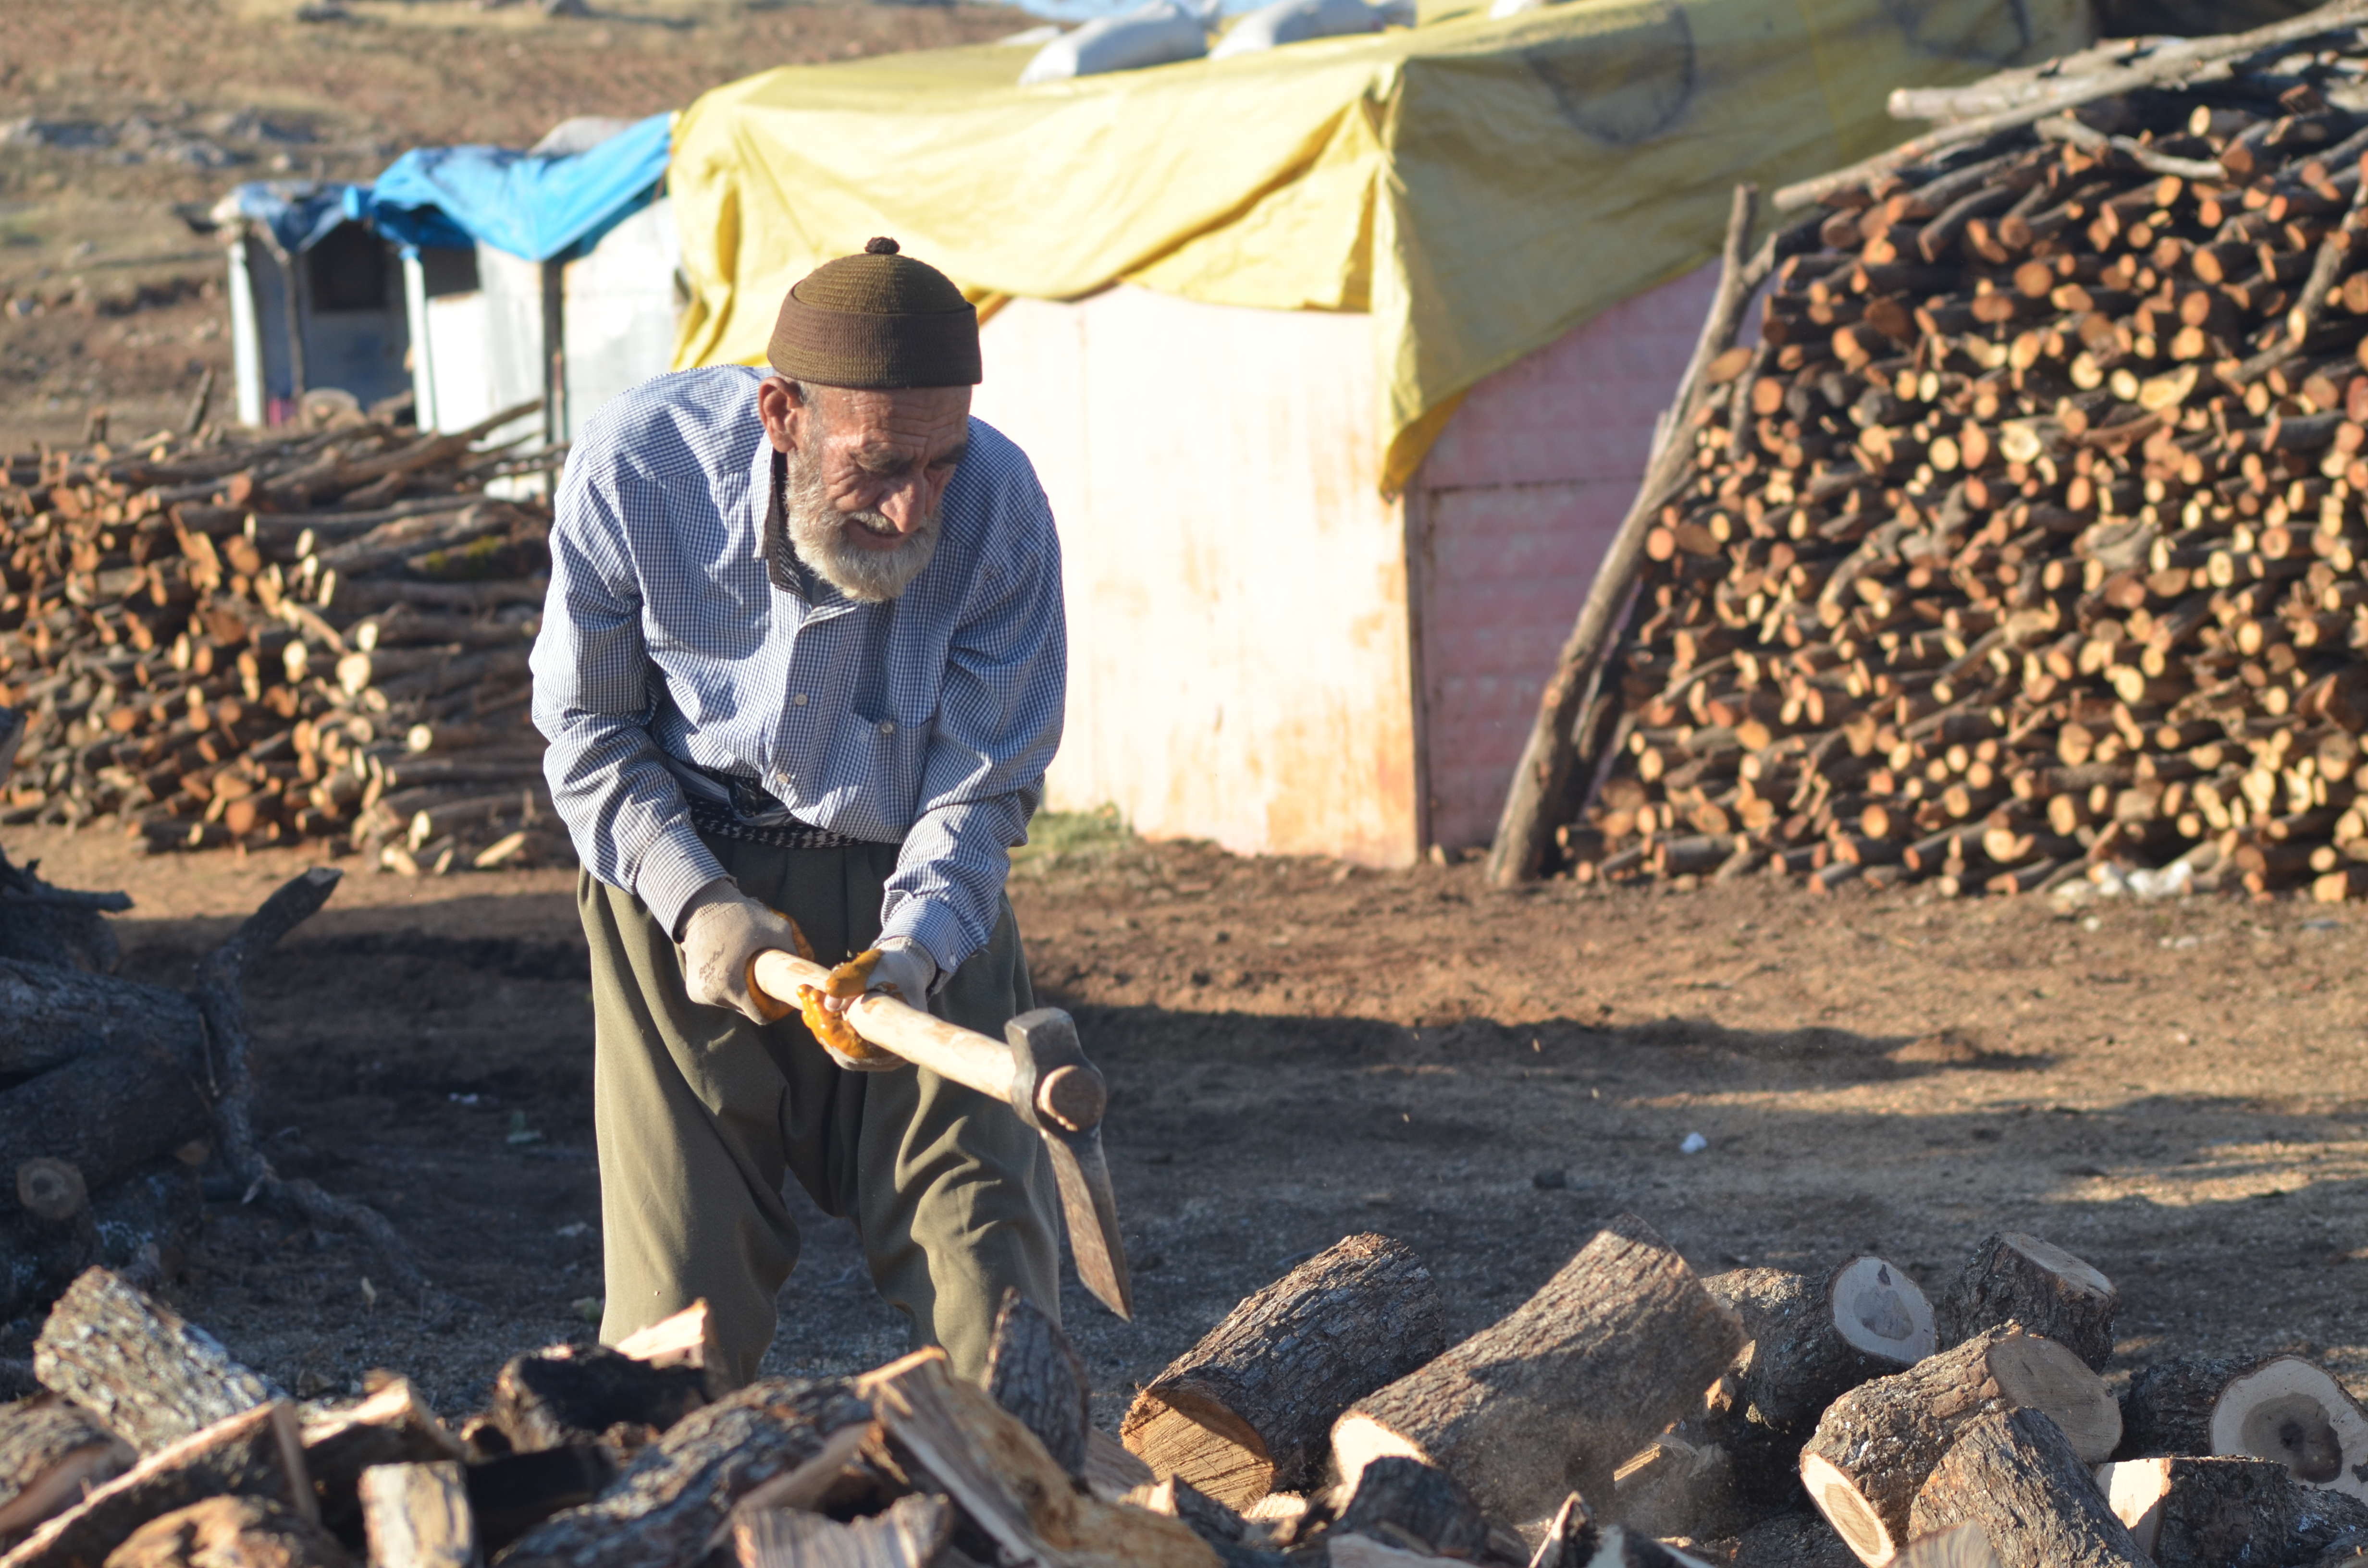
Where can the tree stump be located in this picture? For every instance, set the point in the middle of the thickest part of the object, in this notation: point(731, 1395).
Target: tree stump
point(2012, 1278)
point(671, 1499)
point(1873, 1450)
point(1033, 1372)
point(1616, 1346)
point(1249, 1409)
point(2189, 1512)
point(2016, 1475)
point(254, 1454)
point(229, 1530)
point(1811, 1343)
point(137, 1366)
point(2288, 1410)
point(563, 1395)
point(51, 1451)
point(2167, 1406)
point(418, 1516)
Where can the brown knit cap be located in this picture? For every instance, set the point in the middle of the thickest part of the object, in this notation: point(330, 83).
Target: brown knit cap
point(879, 320)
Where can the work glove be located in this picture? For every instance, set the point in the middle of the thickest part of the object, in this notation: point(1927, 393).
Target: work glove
point(897, 965)
point(723, 931)
point(904, 969)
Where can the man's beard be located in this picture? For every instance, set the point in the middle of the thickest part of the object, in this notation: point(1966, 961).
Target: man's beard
point(818, 533)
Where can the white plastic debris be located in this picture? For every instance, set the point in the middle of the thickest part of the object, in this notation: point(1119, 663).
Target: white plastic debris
point(1694, 1144)
point(1159, 33)
point(1295, 21)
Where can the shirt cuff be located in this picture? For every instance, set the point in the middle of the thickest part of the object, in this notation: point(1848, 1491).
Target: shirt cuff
point(672, 870)
point(934, 930)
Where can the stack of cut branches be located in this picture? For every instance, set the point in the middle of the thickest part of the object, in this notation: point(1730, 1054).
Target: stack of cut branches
point(2027, 533)
point(254, 639)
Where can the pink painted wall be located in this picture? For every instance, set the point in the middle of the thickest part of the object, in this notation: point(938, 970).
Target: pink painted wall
point(1514, 507)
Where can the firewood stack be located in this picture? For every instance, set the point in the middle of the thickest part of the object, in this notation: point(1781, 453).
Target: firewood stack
point(2027, 531)
point(1335, 1429)
point(263, 638)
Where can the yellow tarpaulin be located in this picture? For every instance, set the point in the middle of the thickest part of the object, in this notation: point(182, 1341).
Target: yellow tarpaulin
point(1479, 187)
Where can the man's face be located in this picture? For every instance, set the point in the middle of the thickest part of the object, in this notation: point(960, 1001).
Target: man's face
point(867, 473)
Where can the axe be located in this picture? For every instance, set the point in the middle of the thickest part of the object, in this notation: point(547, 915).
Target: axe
point(1038, 1069)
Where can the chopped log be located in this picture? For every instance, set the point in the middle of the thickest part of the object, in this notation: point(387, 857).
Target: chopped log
point(2016, 1475)
point(1963, 1547)
point(1617, 1346)
point(911, 1534)
point(669, 1501)
point(1570, 1538)
point(685, 1339)
point(392, 1426)
point(1873, 1450)
point(1405, 1503)
point(2013, 1277)
point(2288, 1410)
point(254, 1454)
point(1250, 1408)
point(417, 1516)
point(229, 1531)
point(1035, 1372)
point(108, 1110)
point(138, 1367)
point(1110, 1472)
point(51, 1451)
point(566, 1395)
point(2167, 1407)
point(1179, 1499)
point(511, 1493)
point(2189, 1512)
point(994, 1467)
point(1812, 1343)
point(50, 1016)
point(822, 1485)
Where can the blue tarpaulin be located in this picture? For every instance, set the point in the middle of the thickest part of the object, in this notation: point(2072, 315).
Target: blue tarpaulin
point(300, 213)
point(534, 207)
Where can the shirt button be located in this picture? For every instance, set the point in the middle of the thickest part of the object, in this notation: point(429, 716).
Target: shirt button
point(797, 699)
point(887, 728)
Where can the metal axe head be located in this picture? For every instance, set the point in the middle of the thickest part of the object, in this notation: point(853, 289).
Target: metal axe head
point(1059, 1093)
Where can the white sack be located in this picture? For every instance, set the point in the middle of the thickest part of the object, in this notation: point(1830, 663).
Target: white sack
point(1294, 21)
point(1156, 34)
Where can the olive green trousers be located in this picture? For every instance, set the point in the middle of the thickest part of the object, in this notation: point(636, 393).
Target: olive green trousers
point(699, 1114)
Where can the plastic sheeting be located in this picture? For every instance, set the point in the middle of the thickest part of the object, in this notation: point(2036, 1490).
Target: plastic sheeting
point(299, 214)
point(533, 206)
point(1479, 187)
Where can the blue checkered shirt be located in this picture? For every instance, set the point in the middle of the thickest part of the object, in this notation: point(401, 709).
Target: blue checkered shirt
point(679, 632)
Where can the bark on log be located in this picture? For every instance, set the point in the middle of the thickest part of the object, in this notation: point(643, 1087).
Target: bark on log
point(2013, 1277)
point(2288, 1410)
point(1963, 1547)
point(50, 1016)
point(511, 1495)
point(253, 1454)
point(1813, 1342)
point(230, 1532)
point(108, 1110)
point(670, 1500)
point(1033, 1372)
point(1406, 1503)
point(139, 1224)
point(2167, 1407)
point(564, 1395)
point(1249, 1409)
point(2189, 1512)
point(138, 1367)
point(1873, 1450)
point(994, 1467)
point(417, 1516)
point(390, 1427)
point(51, 1451)
point(1616, 1346)
point(2016, 1475)
point(911, 1534)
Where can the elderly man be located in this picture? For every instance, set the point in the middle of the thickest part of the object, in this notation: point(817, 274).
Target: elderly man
point(804, 657)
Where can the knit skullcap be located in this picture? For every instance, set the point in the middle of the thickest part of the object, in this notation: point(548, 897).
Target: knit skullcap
point(877, 321)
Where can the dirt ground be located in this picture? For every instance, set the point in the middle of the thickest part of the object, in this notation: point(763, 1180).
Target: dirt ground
point(1299, 1051)
point(122, 121)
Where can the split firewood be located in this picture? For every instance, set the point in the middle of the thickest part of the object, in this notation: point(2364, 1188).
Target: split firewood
point(670, 1500)
point(511, 1493)
point(1002, 1477)
point(51, 1451)
point(910, 1534)
point(2012, 1278)
point(222, 1531)
point(1203, 1514)
point(685, 1339)
point(1250, 1408)
point(1035, 1372)
point(1406, 1503)
point(2288, 1410)
point(2017, 1476)
point(1110, 1472)
point(1619, 1345)
point(1813, 1341)
point(1873, 1450)
point(256, 1454)
point(2189, 1512)
point(2167, 1407)
point(1570, 1537)
point(418, 1516)
point(391, 1426)
point(569, 1395)
point(138, 1366)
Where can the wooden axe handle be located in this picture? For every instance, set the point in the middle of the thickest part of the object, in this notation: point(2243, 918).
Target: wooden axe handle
point(947, 1050)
